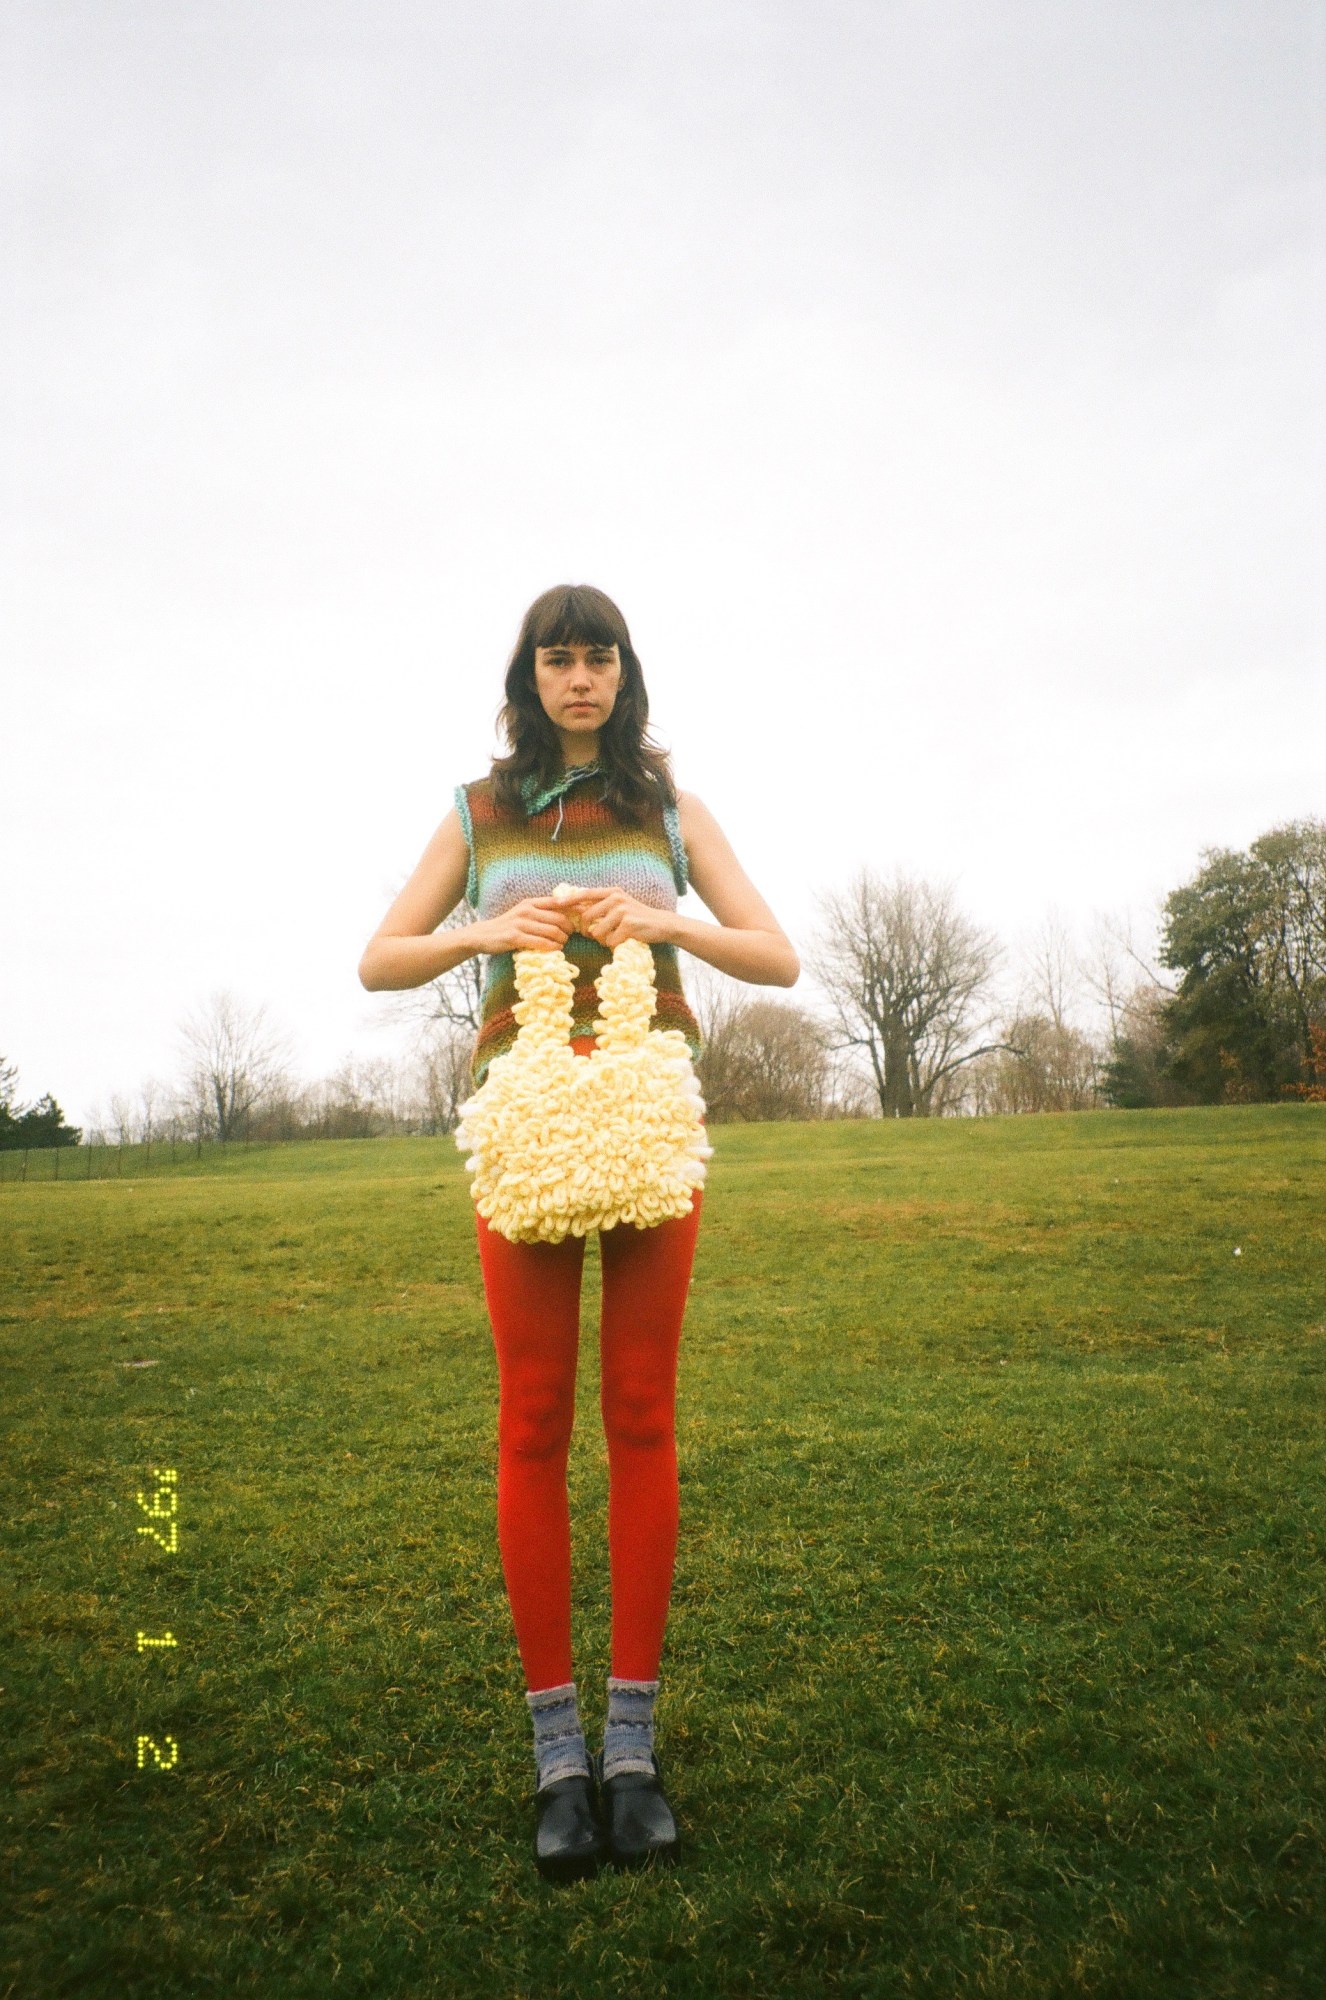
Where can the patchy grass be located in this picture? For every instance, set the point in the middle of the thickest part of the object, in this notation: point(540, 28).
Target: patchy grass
point(996, 1657)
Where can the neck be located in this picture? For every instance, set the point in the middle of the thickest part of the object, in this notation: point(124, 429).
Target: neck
point(579, 746)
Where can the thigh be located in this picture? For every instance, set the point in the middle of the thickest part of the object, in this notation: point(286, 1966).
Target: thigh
point(533, 1296)
point(646, 1276)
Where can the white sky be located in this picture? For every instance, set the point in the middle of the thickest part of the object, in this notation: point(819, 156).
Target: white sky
point(938, 390)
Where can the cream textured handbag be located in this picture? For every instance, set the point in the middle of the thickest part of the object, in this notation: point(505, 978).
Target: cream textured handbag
point(559, 1143)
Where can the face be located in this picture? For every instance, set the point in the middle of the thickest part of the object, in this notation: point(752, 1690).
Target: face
point(577, 684)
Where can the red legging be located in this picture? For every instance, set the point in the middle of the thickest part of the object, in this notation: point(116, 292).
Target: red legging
point(533, 1294)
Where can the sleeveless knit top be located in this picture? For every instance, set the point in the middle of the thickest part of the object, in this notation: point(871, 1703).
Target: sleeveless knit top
point(569, 835)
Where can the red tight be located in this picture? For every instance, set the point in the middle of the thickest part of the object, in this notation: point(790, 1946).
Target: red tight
point(533, 1294)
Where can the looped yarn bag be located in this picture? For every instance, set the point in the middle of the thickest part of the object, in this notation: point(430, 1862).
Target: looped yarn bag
point(559, 1143)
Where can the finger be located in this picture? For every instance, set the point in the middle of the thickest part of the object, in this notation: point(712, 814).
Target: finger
point(534, 936)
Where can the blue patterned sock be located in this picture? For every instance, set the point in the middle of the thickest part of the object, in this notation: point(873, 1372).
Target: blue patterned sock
point(559, 1741)
point(628, 1740)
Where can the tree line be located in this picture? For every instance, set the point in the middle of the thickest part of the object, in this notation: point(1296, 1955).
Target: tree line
point(915, 1023)
point(1246, 1020)
point(919, 1013)
point(22, 1126)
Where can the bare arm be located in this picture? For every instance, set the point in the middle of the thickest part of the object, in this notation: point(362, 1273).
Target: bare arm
point(403, 950)
point(748, 942)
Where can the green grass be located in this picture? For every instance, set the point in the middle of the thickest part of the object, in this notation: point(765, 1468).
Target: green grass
point(996, 1656)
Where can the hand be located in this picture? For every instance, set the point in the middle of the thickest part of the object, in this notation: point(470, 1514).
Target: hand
point(540, 923)
point(610, 915)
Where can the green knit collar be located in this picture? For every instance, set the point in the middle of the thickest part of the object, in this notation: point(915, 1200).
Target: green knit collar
point(535, 800)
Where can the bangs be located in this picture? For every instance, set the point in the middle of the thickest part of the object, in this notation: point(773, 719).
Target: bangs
point(636, 771)
point(575, 614)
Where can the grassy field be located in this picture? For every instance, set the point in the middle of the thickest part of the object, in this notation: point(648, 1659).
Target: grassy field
point(996, 1655)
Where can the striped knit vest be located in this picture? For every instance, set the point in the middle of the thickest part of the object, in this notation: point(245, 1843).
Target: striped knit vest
point(569, 835)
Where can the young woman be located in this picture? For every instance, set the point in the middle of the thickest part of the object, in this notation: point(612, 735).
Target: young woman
point(583, 797)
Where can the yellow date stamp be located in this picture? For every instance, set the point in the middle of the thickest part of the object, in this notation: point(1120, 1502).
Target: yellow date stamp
point(162, 1526)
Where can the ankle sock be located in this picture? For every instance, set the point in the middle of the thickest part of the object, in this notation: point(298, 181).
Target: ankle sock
point(559, 1741)
point(628, 1739)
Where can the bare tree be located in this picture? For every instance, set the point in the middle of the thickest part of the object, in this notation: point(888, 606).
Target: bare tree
point(1111, 971)
point(1052, 973)
point(233, 1059)
point(444, 1017)
point(1048, 1065)
point(905, 974)
point(378, 1085)
point(152, 1110)
point(766, 1060)
point(714, 997)
point(443, 1074)
point(849, 1089)
point(367, 1097)
point(717, 1002)
point(455, 996)
point(1048, 1061)
point(784, 1053)
point(124, 1120)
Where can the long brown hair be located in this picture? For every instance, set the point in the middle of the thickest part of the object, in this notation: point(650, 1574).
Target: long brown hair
point(636, 772)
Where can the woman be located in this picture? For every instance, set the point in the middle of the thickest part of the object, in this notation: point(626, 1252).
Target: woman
point(583, 797)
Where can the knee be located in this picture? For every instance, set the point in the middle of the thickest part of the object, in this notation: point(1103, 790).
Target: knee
point(636, 1416)
point(536, 1425)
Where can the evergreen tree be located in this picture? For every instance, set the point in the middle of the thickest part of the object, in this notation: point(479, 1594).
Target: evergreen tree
point(8, 1080)
point(1248, 936)
point(42, 1124)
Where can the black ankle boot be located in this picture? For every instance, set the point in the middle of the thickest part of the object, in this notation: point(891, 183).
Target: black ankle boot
point(640, 1826)
point(568, 1840)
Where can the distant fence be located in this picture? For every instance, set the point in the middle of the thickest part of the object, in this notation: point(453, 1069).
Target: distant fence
point(104, 1162)
point(108, 1161)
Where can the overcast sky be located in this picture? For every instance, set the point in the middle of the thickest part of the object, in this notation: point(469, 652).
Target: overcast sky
point(937, 388)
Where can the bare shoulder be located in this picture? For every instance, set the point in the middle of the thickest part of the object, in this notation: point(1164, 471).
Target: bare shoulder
point(694, 816)
point(703, 838)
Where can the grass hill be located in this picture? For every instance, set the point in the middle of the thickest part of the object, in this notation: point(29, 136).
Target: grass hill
point(996, 1656)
